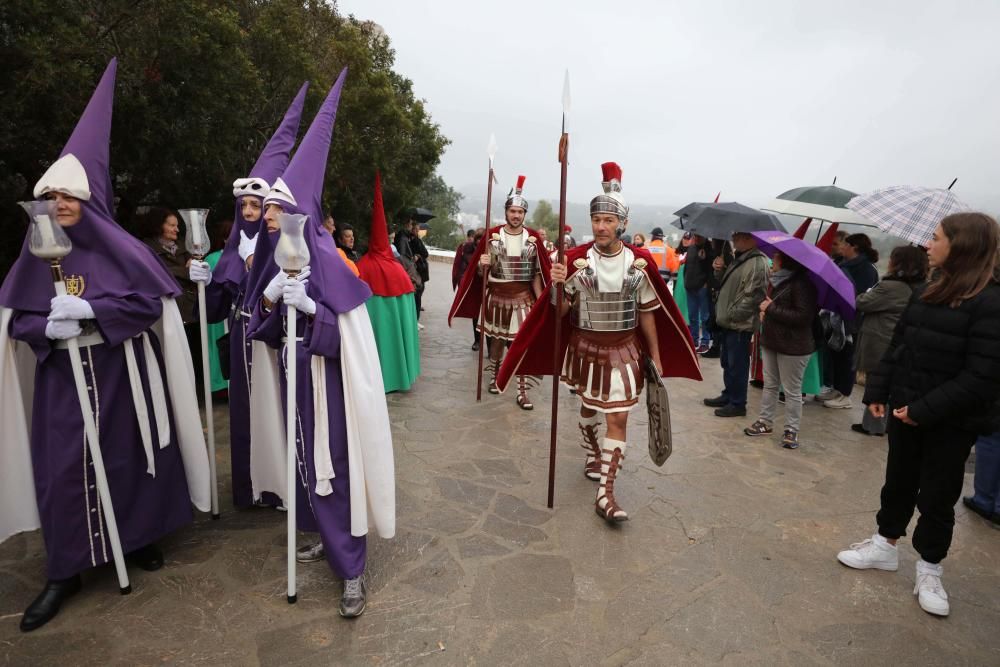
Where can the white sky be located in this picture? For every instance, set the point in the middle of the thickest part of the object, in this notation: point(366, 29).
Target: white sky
point(750, 98)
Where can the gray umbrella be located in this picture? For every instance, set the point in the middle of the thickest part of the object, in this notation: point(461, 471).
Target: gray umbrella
point(721, 221)
point(421, 214)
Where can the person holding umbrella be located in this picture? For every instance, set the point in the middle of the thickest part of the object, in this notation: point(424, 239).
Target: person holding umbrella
point(786, 317)
point(940, 382)
point(742, 287)
point(120, 309)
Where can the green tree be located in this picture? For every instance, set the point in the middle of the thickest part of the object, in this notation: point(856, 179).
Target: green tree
point(201, 86)
point(437, 196)
point(545, 217)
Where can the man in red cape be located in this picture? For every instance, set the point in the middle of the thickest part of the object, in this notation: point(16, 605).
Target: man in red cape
point(617, 311)
point(518, 270)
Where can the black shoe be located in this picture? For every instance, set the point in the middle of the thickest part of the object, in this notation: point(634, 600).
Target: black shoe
point(757, 383)
point(858, 428)
point(986, 514)
point(475, 346)
point(45, 607)
point(149, 558)
point(731, 411)
point(713, 353)
point(717, 402)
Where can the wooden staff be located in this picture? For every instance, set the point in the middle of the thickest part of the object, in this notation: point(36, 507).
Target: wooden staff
point(491, 151)
point(560, 258)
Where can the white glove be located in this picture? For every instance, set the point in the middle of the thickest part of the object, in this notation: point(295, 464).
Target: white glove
point(273, 290)
point(293, 292)
point(69, 307)
point(199, 272)
point(248, 244)
point(62, 329)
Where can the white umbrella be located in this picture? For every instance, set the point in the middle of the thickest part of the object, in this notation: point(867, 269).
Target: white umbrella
point(909, 212)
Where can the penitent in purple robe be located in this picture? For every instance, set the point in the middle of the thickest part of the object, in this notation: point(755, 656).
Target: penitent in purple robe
point(128, 288)
point(225, 298)
point(147, 507)
point(329, 515)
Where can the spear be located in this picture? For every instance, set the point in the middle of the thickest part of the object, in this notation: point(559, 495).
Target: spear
point(560, 258)
point(491, 150)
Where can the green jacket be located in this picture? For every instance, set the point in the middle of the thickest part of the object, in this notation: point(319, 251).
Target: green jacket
point(741, 289)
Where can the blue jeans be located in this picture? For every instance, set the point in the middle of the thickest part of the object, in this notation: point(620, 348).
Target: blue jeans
point(698, 313)
point(987, 482)
point(735, 358)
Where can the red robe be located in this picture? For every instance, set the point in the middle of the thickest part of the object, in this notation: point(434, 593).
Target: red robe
point(531, 351)
point(469, 296)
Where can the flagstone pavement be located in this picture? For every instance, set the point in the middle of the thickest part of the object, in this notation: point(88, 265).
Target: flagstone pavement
point(729, 557)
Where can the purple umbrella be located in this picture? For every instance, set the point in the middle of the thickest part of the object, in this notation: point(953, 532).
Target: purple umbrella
point(834, 290)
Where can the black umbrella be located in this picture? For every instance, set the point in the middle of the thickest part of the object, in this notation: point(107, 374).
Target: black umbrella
point(421, 214)
point(720, 221)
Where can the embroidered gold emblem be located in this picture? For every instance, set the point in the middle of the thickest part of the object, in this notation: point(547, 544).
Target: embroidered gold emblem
point(531, 239)
point(639, 264)
point(75, 285)
point(495, 237)
point(580, 263)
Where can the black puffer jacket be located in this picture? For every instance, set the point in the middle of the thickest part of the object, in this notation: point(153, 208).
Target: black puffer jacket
point(944, 363)
point(787, 326)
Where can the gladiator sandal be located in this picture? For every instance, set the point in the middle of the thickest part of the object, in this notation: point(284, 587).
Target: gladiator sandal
point(494, 369)
point(611, 461)
point(588, 429)
point(522, 393)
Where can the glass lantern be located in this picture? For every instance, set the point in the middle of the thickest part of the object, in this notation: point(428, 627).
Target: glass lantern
point(291, 252)
point(196, 240)
point(46, 238)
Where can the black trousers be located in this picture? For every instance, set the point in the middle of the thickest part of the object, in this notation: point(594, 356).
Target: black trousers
point(842, 364)
point(417, 294)
point(924, 470)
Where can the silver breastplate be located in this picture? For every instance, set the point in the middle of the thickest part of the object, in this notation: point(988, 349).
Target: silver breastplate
point(521, 267)
point(595, 310)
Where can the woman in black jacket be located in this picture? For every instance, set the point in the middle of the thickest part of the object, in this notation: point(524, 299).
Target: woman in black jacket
point(787, 342)
point(940, 380)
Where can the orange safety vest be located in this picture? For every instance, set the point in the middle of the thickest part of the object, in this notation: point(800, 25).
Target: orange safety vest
point(664, 256)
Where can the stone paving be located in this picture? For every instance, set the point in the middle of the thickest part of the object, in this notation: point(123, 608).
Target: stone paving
point(729, 557)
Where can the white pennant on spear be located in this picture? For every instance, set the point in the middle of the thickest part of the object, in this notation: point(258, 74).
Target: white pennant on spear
point(291, 254)
point(198, 245)
point(49, 242)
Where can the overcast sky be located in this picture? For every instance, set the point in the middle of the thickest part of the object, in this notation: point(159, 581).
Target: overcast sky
point(750, 98)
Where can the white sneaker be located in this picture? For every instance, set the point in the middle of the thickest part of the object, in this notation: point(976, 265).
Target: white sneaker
point(874, 553)
point(929, 591)
point(828, 394)
point(841, 402)
point(420, 326)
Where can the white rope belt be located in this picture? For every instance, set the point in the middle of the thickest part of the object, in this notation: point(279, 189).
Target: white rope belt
point(88, 340)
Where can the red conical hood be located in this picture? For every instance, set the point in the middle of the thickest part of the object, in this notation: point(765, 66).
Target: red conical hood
point(826, 241)
point(379, 268)
point(800, 233)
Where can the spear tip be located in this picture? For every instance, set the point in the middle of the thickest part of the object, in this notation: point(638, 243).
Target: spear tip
point(565, 94)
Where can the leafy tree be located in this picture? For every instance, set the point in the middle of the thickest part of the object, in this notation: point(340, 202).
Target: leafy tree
point(201, 86)
point(545, 217)
point(443, 230)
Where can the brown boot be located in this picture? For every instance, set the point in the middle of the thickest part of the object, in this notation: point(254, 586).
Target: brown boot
point(588, 429)
point(612, 455)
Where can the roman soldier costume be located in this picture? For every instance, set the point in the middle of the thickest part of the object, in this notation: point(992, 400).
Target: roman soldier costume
point(516, 259)
point(604, 351)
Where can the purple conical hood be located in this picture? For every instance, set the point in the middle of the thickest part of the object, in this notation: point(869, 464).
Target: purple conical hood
point(106, 261)
point(269, 166)
point(331, 282)
point(274, 159)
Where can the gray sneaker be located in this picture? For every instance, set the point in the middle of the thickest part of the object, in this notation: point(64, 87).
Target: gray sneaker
point(355, 597)
point(310, 553)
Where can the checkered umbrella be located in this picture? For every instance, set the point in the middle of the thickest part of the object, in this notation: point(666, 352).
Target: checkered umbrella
point(906, 211)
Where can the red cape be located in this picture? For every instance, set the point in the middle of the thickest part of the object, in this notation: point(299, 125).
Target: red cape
point(470, 290)
point(378, 267)
point(531, 351)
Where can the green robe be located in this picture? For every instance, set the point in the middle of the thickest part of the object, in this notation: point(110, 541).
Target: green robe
point(394, 321)
point(215, 332)
point(680, 294)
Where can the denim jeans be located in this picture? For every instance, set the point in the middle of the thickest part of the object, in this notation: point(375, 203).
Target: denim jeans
point(698, 312)
point(735, 358)
point(987, 482)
